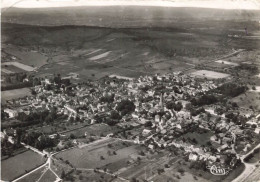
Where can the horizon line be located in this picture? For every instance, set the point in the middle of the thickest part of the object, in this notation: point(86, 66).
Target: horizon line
point(210, 4)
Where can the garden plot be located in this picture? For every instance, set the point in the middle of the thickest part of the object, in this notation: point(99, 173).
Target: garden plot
point(7, 71)
point(20, 65)
point(226, 62)
point(209, 74)
point(103, 55)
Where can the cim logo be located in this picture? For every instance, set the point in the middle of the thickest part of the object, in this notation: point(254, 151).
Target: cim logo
point(218, 170)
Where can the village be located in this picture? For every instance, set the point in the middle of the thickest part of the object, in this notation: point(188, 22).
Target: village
point(164, 111)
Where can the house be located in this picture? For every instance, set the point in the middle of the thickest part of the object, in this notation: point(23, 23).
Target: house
point(146, 132)
point(2, 136)
point(12, 113)
point(151, 146)
point(223, 147)
point(257, 130)
point(157, 118)
point(212, 158)
point(193, 157)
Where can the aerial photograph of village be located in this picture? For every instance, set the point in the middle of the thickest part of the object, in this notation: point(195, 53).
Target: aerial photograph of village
point(130, 91)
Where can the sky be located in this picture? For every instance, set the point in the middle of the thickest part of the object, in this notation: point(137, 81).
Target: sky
point(221, 4)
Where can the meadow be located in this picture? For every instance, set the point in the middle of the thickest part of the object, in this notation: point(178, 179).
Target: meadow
point(14, 94)
point(17, 165)
point(96, 155)
point(209, 74)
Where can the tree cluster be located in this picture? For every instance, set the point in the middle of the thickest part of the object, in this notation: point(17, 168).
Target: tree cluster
point(176, 106)
point(125, 107)
point(204, 100)
point(108, 98)
point(231, 89)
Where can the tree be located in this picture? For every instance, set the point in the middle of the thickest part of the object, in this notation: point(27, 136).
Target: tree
point(115, 115)
point(166, 165)
point(170, 105)
point(148, 124)
point(72, 136)
point(181, 170)
point(19, 133)
point(178, 106)
point(125, 107)
point(160, 171)
point(63, 175)
point(134, 179)
point(33, 92)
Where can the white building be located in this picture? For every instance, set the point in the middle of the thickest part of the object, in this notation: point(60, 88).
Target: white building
point(11, 113)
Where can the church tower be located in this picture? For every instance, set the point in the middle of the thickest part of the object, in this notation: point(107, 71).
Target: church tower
point(161, 101)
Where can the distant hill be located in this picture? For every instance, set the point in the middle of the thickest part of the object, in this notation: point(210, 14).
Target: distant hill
point(123, 16)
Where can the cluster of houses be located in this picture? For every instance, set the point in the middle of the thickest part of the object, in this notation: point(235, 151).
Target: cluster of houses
point(150, 95)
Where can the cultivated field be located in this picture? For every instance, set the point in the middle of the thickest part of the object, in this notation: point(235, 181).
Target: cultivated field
point(14, 94)
point(209, 74)
point(13, 167)
point(29, 57)
point(19, 65)
point(93, 52)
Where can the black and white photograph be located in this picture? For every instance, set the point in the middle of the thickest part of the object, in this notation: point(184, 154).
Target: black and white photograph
point(130, 91)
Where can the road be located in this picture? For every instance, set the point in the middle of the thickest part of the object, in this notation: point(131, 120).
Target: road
point(249, 168)
point(223, 57)
point(46, 164)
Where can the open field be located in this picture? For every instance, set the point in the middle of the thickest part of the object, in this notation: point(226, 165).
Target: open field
point(12, 69)
point(89, 157)
point(202, 139)
point(226, 62)
point(33, 176)
point(247, 100)
point(48, 177)
point(209, 74)
point(96, 129)
point(29, 57)
point(18, 165)
point(14, 94)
